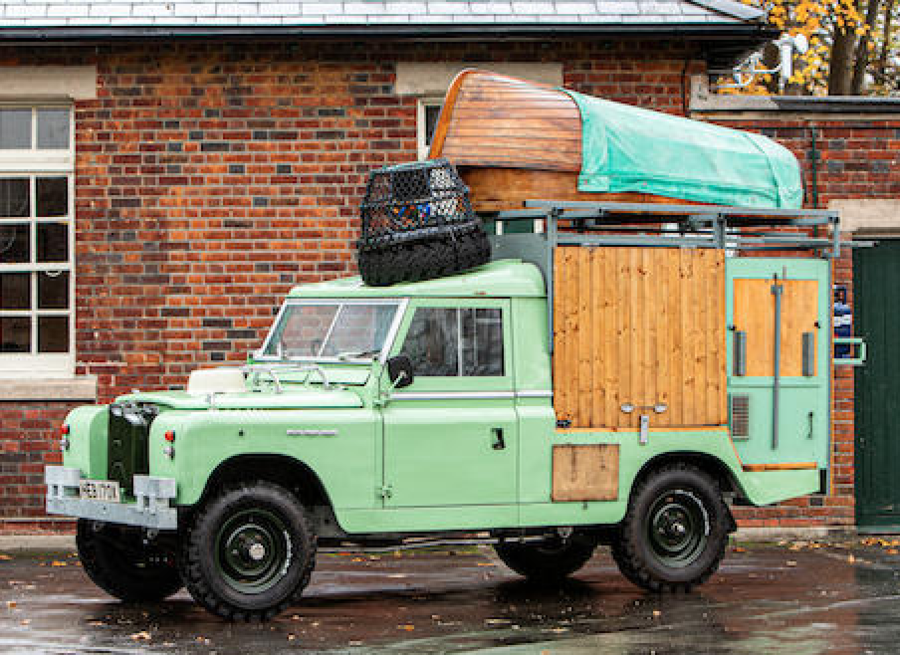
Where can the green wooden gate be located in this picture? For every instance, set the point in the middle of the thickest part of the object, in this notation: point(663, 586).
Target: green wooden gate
point(876, 285)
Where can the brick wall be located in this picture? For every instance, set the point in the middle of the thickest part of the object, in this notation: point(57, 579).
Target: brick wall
point(211, 178)
point(28, 441)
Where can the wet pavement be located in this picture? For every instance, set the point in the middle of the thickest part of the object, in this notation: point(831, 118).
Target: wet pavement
point(796, 598)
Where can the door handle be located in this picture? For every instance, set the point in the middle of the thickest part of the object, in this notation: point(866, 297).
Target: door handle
point(497, 442)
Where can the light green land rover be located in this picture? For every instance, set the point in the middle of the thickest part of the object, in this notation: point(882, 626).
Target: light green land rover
point(385, 416)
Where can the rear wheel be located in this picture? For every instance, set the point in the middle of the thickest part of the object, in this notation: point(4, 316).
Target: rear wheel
point(548, 561)
point(675, 532)
point(120, 561)
point(249, 552)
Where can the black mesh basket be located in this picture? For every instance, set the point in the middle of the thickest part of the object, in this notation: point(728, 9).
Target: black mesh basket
point(418, 223)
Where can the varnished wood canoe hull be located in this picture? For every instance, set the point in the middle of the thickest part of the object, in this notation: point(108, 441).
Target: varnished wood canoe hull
point(514, 141)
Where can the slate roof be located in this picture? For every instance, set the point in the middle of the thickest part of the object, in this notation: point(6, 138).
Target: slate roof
point(621, 14)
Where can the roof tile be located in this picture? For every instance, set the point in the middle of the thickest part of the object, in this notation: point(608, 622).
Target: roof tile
point(39, 14)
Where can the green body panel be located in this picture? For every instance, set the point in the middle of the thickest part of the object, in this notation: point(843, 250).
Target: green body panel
point(425, 457)
point(876, 300)
point(345, 462)
point(802, 438)
point(500, 279)
point(87, 440)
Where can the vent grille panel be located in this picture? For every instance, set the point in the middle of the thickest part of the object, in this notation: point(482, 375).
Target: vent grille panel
point(740, 416)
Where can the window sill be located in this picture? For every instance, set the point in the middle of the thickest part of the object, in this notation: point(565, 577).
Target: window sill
point(78, 388)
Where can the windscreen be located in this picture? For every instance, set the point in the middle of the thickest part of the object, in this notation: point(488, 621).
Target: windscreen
point(330, 330)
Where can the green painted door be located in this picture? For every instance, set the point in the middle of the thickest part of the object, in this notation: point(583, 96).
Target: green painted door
point(451, 437)
point(876, 290)
point(788, 425)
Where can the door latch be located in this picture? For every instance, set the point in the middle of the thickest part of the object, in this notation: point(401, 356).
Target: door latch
point(385, 491)
point(497, 443)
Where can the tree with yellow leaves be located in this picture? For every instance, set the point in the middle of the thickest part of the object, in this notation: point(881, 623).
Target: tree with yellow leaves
point(851, 45)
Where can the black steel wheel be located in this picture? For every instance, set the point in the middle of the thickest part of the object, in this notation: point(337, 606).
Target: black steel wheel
point(249, 552)
point(675, 532)
point(547, 562)
point(123, 563)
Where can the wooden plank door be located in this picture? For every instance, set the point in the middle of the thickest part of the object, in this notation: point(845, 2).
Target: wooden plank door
point(643, 327)
point(876, 313)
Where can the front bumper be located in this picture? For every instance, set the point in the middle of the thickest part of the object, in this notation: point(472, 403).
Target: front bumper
point(151, 509)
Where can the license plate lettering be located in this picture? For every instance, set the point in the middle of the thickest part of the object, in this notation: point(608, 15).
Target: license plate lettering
point(100, 490)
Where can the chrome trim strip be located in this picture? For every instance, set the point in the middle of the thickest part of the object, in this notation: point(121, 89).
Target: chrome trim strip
point(312, 433)
point(452, 395)
point(463, 395)
point(534, 394)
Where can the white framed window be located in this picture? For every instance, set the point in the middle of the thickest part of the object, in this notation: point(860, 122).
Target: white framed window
point(37, 275)
point(429, 110)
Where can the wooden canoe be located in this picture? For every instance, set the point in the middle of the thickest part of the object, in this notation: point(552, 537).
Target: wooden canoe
point(514, 140)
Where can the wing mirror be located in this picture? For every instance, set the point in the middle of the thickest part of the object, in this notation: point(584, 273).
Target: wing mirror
point(400, 371)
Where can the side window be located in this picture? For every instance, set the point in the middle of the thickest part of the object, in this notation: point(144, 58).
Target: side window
point(449, 342)
point(482, 341)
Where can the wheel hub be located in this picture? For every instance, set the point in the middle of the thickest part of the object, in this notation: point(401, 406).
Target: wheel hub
point(677, 528)
point(256, 551)
point(253, 550)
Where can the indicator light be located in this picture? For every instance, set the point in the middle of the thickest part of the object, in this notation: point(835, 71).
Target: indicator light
point(169, 452)
point(170, 436)
point(63, 430)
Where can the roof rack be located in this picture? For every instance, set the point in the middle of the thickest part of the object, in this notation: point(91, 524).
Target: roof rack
point(696, 226)
point(656, 225)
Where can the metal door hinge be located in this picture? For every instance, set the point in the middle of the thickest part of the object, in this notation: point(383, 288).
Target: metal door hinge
point(385, 491)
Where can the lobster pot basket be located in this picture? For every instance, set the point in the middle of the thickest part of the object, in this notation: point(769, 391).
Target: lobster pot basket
point(418, 223)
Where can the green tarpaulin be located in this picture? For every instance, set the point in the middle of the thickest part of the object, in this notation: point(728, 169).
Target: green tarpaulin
point(626, 148)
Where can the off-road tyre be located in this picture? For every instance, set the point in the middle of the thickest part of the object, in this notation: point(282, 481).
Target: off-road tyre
point(675, 532)
point(423, 260)
point(117, 560)
point(547, 562)
point(220, 567)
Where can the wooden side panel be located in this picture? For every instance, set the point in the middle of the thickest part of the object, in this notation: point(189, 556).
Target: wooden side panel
point(754, 313)
point(494, 120)
point(643, 326)
point(589, 472)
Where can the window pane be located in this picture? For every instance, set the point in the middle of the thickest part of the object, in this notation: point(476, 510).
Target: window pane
point(15, 194)
point(15, 291)
point(15, 334)
point(53, 128)
point(482, 342)
point(15, 128)
point(432, 342)
point(52, 196)
point(432, 113)
point(53, 290)
point(52, 242)
point(15, 246)
point(53, 334)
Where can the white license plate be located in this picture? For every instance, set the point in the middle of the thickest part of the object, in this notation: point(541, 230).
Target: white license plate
point(104, 490)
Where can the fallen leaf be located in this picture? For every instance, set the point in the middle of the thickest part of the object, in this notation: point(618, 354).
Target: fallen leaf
point(791, 562)
point(738, 549)
point(143, 635)
point(4, 557)
point(657, 613)
point(24, 621)
point(891, 551)
point(291, 636)
point(10, 604)
point(851, 559)
point(407, 627)
point(58, 563)
point(497, 621)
